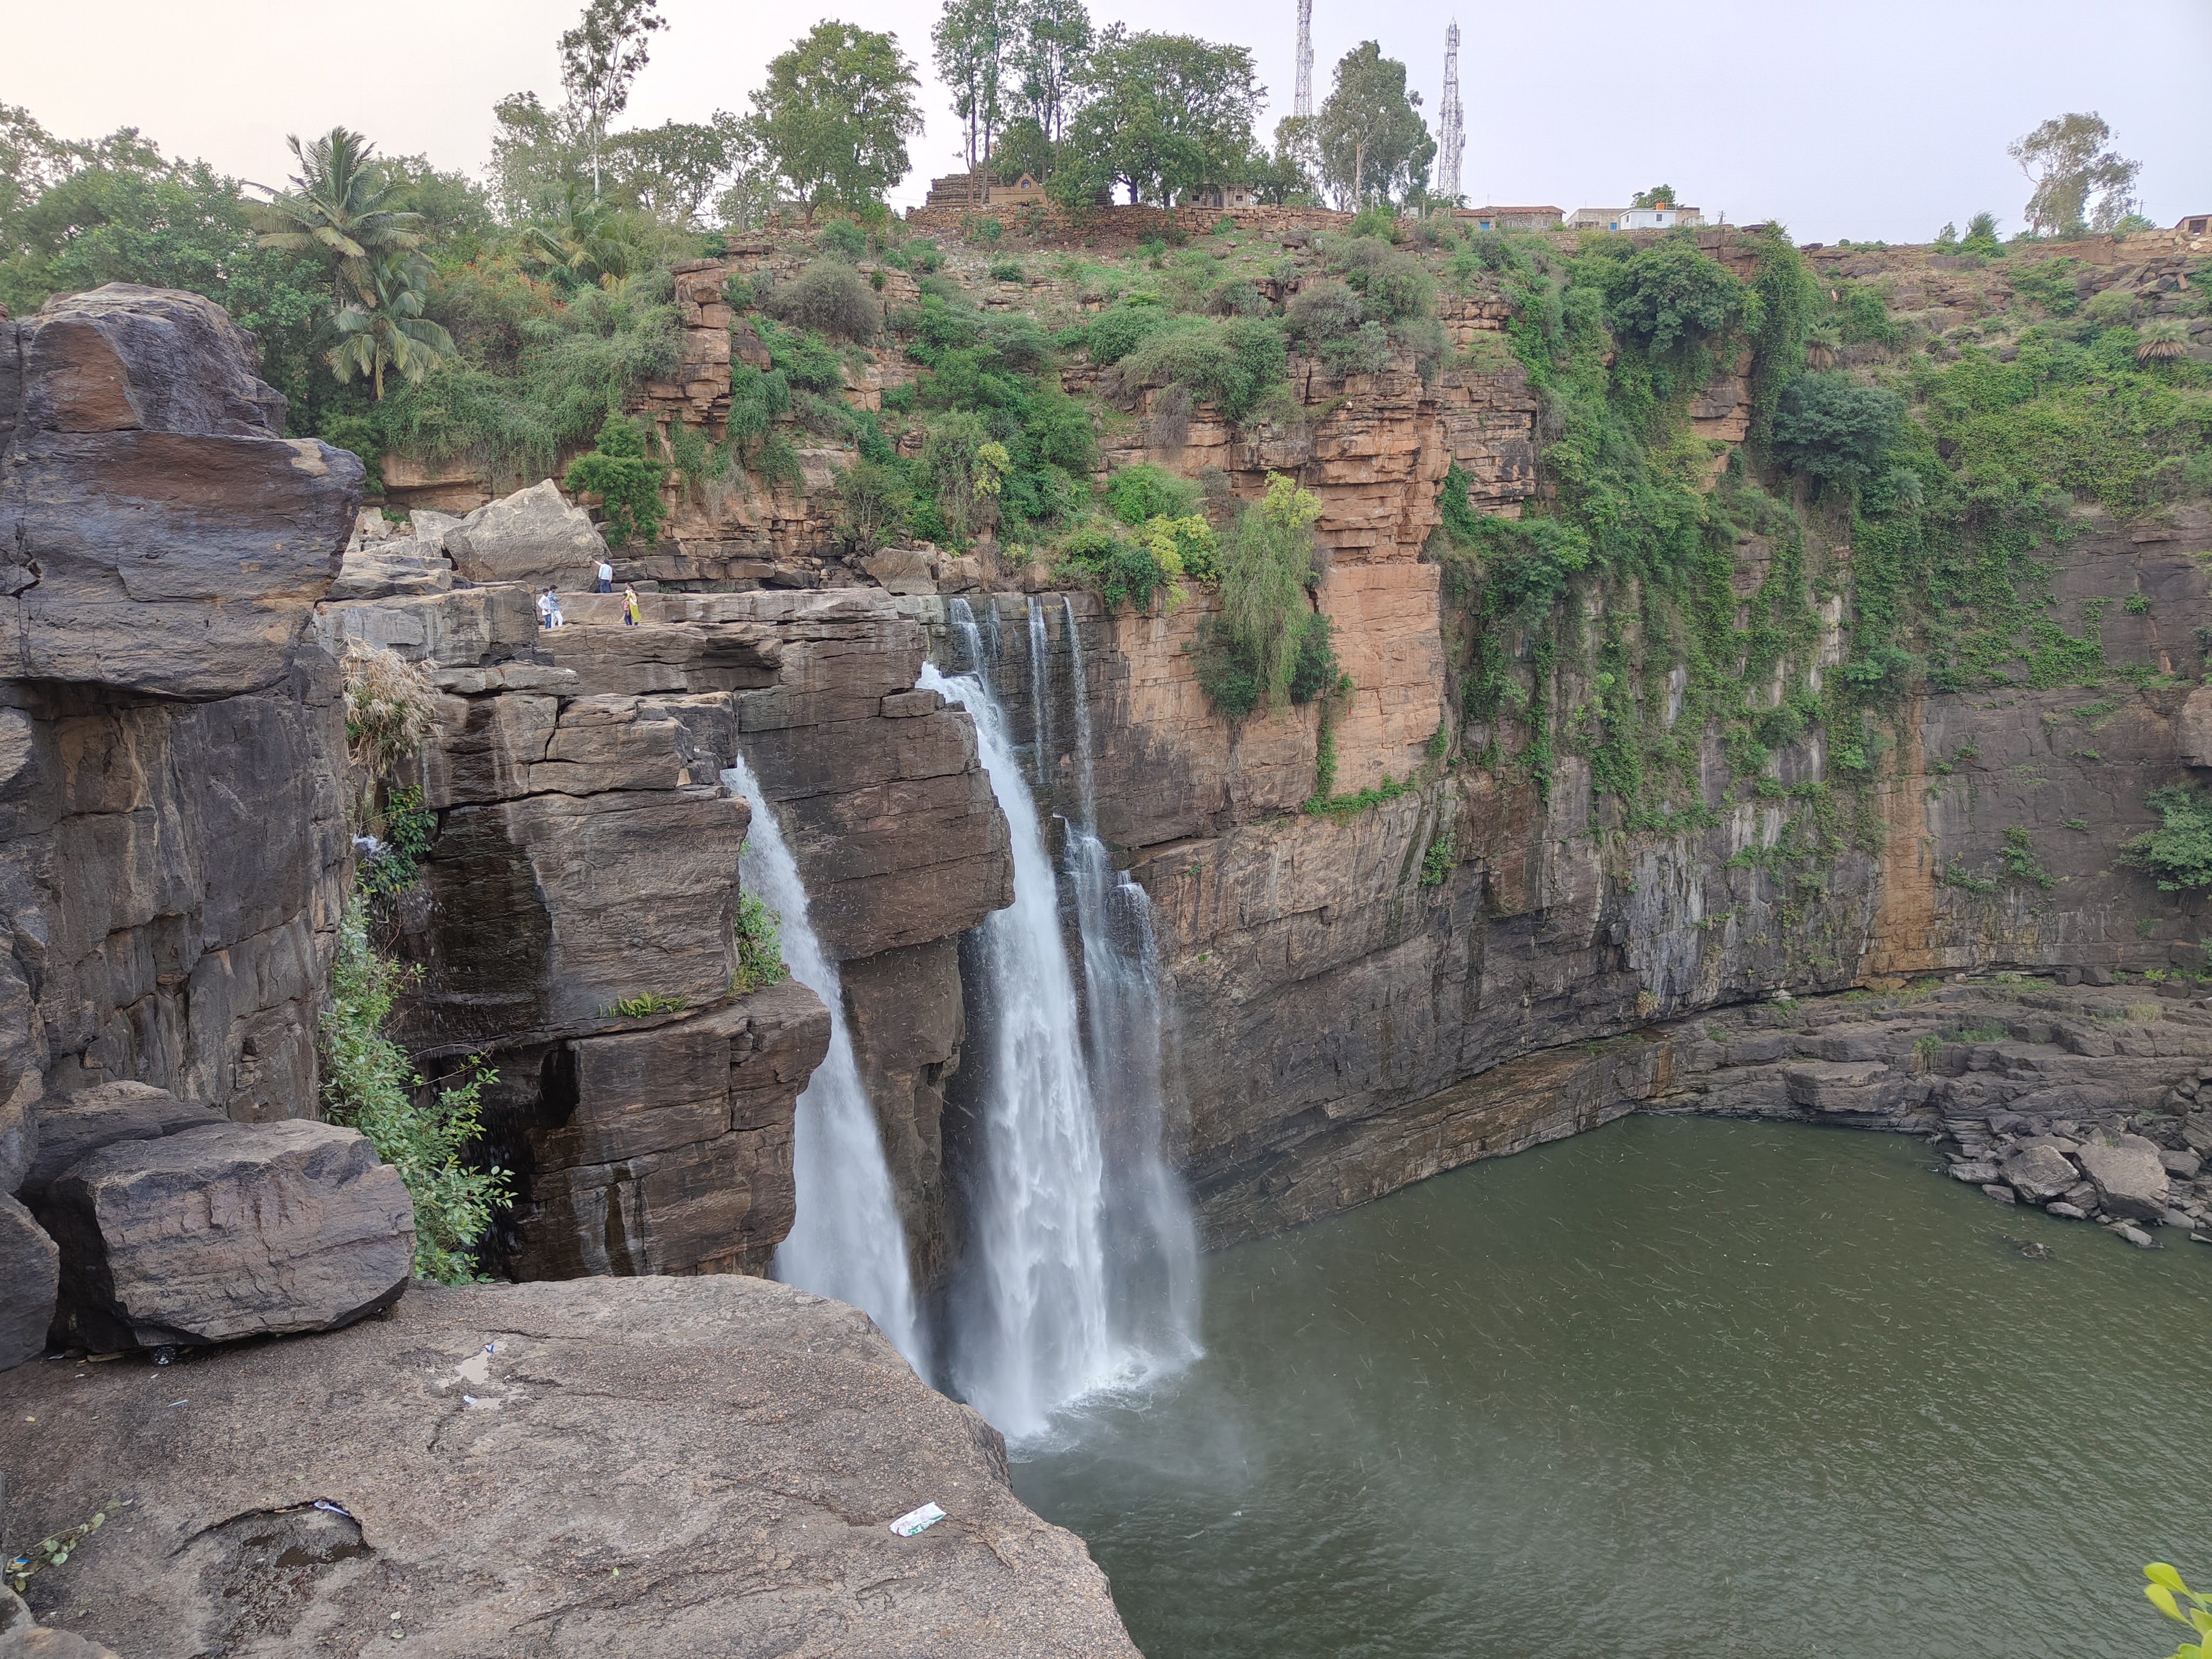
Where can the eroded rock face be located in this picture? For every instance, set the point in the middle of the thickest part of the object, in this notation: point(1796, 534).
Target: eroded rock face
point(654, 1467)
point(534, 536)
point(160, 547)
point(226, 1232)
point(30, 1268)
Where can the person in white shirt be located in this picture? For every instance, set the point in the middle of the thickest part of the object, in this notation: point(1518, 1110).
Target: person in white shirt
point(606, 577)
point(545, 609)
point(553, 617)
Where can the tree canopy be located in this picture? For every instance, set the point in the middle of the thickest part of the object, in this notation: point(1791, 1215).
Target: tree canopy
point(1374, 145)
point(835, 114)
point(600, 58)
point(2068, 159)
point(1164, 114)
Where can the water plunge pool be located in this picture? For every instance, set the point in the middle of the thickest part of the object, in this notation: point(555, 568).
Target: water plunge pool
point(1680, 1388)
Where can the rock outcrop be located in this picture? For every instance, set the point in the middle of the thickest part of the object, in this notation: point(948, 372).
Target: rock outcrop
point(231, 1231)
point(534, 536)
point(651, 1468)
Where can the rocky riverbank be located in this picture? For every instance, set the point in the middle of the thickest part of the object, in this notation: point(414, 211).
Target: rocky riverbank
point(650, 1468)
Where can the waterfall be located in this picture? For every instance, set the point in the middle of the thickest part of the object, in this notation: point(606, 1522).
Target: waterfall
point(1081, 1266)
point(848, 1242)
point(1153, 1253)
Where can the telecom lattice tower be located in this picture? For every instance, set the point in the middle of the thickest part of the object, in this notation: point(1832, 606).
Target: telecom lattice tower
point(1301, 98)
point(1451, 126)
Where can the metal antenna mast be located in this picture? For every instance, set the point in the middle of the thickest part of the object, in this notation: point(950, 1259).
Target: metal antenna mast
point(1302, 99)
point(1451, 126)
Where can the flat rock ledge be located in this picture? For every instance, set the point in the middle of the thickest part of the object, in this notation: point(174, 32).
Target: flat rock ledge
point(648, 1467)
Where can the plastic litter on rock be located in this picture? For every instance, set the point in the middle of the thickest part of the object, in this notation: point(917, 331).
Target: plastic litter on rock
point(337, 1509)
point(915, 1521)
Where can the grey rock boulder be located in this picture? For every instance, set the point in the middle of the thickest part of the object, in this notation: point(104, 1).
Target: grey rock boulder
point(2038, 1171)
point(430, 526)
point(29, 1274)
point(2130, 1179)
point(234, 1231)
point(904, 570)
point(380, 569)
point(90, 1119)
point(19, 1132)
point(533, 536)
point(1975, 1172)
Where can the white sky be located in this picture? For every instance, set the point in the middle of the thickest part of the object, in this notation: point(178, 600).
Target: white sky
point(1876, 119)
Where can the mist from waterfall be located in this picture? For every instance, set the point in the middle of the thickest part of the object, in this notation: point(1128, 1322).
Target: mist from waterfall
point(1080, 1271)
point(847, 1241)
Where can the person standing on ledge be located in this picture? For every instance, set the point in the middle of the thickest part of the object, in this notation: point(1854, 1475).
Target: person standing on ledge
point(630, 606)
point(553, 617)
point(545, 608)
point(606, 576)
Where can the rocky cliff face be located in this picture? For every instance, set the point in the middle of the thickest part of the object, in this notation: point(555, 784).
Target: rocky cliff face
point(162, 709)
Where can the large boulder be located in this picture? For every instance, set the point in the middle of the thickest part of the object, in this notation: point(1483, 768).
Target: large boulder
point(645, 1466)
point(397, 565)
point(157, 533)
point(2038, 1171)
point(234, 1231)
point(74, 1128)
point(2130, 1179)
point(533, 536)
point(29, 1274)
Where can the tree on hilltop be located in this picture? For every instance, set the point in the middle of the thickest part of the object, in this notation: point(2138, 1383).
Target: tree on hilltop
point(1164, 114)
point(341, 210)
point(835, 114)
point(2068, 159)
point(600, 58)
point(1374, 145)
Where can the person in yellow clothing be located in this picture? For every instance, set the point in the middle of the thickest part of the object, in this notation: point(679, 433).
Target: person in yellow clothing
point(630, 606)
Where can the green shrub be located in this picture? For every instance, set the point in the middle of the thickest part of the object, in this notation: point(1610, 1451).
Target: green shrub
point(843, 238)
point(2018, 852)
point(1182, 546)
point(409, 828)
point(644, 1006)
point(369, 1085)
point(1227, 362)
point(873, 502)
point(2050, 284)
point(1376, 220)
point(924, 255)
point(1116, 567)
point(1862, 317)
point(1323, 311)
point(1145, 491)
point(1366, 351)
point(1265, 564)
point(2179, 852)
point(1436, 863)
point(360, 434)
point(1315, 671)
point(831, 297)
point(1008, 270)
point(738, 292)
point(805, 361)
point(1226, 675)
point(627, 483)
point(760, 946)
point(1116, 332)
point(1830, 427)
point(1669, 292)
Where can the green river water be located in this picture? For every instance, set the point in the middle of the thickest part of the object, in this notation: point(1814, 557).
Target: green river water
point(1678, 1388)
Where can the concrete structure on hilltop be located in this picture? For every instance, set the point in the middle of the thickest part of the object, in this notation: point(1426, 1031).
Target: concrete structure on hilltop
point(1451, 126)
point(1512, 218)
point(1664, 218)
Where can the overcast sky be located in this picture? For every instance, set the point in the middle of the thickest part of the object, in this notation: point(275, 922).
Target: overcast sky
point(1877, 119)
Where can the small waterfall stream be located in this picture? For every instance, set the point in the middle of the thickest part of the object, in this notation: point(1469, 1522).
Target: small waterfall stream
point(848, 1242)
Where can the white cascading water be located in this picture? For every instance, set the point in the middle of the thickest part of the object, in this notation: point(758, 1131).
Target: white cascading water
point(847, 1241)
point(1077, 1275)
point(1153, 1239)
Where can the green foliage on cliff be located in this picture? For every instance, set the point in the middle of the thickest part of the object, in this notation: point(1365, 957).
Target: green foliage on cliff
point(2179, 852)
point(370, 1085)
point(760, 946)
point(625, 479)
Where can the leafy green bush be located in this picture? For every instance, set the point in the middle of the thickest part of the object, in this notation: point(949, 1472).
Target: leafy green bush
point(843, 238)
point(873, 502)
point(2179, 852)
point(738, 293)
point(1116, 332)
point(370, 1086)
point(1830, 427)
point(1862, 317)
point(1323, 311)
point(1436, 863)
point(1145, 491)
point(760, 946)
point(1669, 292)
point(627, 483)
point(1266, 565)
point(1366, 351)
point(1226, 675)
point(2050, 284)
point(409, 828)
point(1228, 362)
point(804, 359)
point(1315, 671)
point(829, 297)
point(1007, 270)
point(924, 255)
point(1116, 567)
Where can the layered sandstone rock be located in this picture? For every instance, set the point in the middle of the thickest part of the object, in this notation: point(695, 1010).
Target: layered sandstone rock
point(652, 1467)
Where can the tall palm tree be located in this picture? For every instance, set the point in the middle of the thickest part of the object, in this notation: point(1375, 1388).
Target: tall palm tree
point(339, 210)
point(585, 244)
point(384, 327)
